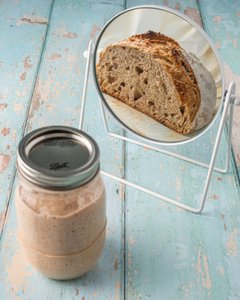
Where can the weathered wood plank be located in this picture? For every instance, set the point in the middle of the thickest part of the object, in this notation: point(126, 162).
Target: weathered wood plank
point(56, 100)
point(172, 254)
point(164, 243)
point(188, 7)
point(169, 254)
point(22, 34)
point(222, 23)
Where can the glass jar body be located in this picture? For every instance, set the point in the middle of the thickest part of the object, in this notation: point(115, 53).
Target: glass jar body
point(62, 232)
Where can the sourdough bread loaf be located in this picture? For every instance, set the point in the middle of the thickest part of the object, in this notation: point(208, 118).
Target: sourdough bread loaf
point(153, 74)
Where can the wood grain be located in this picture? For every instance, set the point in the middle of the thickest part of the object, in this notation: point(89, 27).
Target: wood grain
point(21, 45)
point(56, 100)
point(172, 254)
point(153, 250)
point(222, 23)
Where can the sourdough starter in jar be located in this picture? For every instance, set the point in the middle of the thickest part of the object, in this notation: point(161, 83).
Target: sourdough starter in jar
point(60, 201)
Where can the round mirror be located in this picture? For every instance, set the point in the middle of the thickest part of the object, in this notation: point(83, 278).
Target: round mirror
point(191, 38)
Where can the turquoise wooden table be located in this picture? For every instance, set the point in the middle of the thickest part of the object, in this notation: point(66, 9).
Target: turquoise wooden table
point(153, 250)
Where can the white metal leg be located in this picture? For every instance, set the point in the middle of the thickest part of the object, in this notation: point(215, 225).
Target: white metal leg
point(228, 106)
point(170, 153)
point(228, 103)
point(86, 77)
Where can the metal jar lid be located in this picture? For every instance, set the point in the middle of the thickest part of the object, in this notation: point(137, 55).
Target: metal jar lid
point(58, 157)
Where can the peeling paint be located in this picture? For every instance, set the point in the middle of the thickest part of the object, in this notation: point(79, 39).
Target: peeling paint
point(35, 104)
point(27, 62)
point(2, 217)
point(51, 107)
point(5, 131)
point(193, 13)
point(187, 290)
point(4, 162)
point(3, 106)
point(48, 87)
point(203, 270)
point(238, 157)
point(178, 188)
point(117, 290)
point(208, 282)
point(217, 19)
point(14, 134)
point(121, 190)
point(18, 107)
point(70, 35)
point(231, 244)
point(215, 197)
point(55, 56)
point(129, 260)
point(16, 272)
point(32, 20)
point(131, 241)
point(23, 76)
point(72, 58)
point(95, 29)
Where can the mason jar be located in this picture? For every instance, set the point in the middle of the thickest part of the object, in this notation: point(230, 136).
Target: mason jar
point(60, 201)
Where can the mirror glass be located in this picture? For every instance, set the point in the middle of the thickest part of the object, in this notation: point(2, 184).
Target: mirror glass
point(190, 37)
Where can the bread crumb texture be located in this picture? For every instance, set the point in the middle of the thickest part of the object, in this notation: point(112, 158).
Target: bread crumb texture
point(150, 72)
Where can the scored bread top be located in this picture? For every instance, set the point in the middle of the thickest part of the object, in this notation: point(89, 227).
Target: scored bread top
point(171, 56)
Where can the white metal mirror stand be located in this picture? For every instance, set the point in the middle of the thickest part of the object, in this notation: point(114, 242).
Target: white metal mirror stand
point(227, 107)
